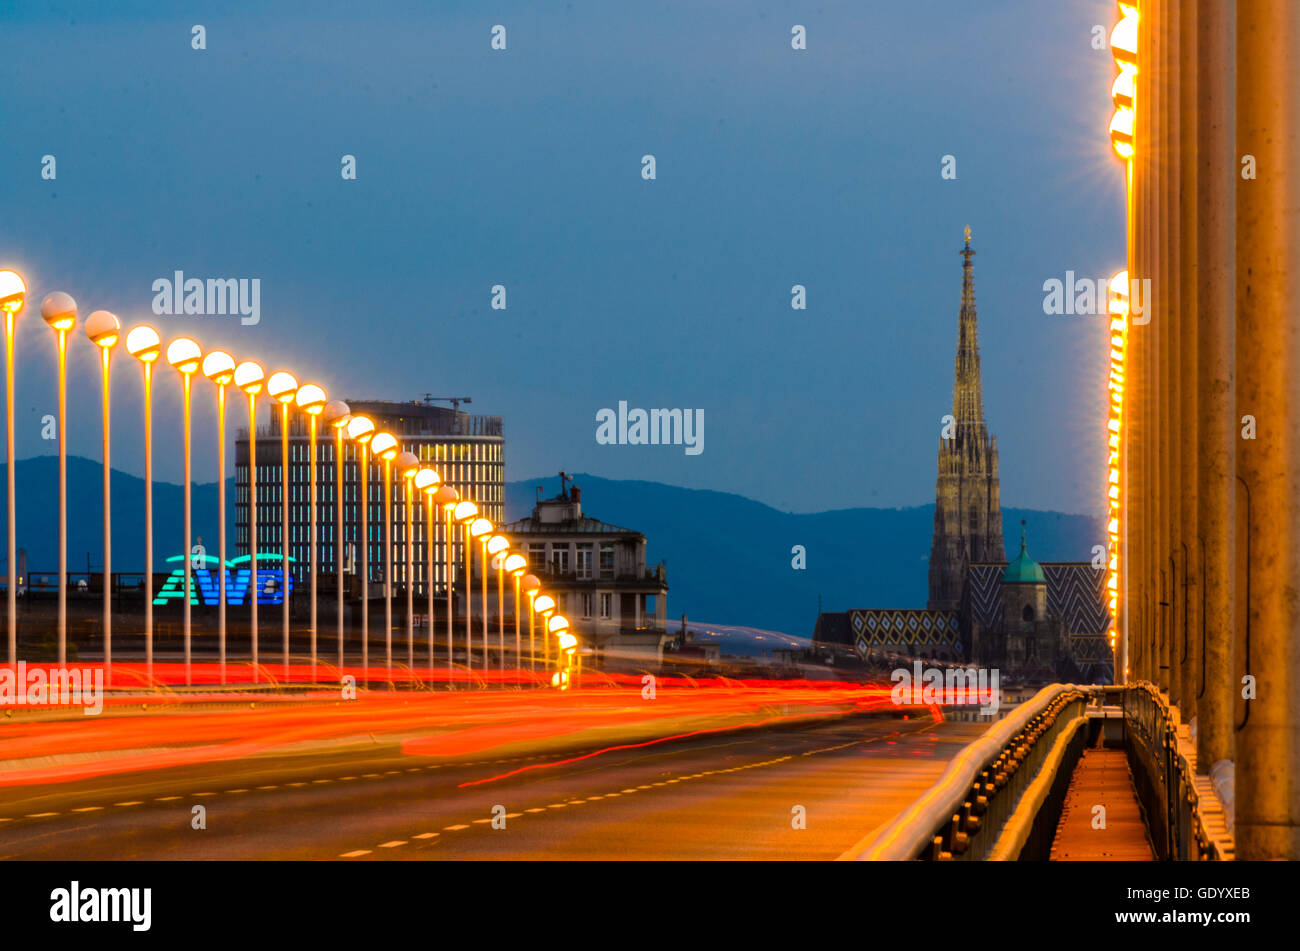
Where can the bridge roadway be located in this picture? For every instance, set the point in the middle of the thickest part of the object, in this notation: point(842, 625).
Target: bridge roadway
point(716, 796)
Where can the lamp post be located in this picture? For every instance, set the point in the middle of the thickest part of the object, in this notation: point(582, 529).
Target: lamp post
point(408, 464)
point(481, 528)
point(544, 605)
point(361, 430)
point(447, 497)
point(143, 343)
point(60, 312)
point(184, 354)
point(311, 400)
point(496, 548)
point(337, 415)
point(532, 587)
point(13, 294)
point(426, 483)
point(385, 446)
point(103, 329)
point(516, 564)
point(219, 367)
point(282, 387)
point(249, 378)
point(465, 513)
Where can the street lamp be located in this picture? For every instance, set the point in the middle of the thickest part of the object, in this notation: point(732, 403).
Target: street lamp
point(465, 513)
point(566, 646)
point(408, 464)
point(219, 367)
point(103, 329)
point(532, 587)
point(361, 430)
point(60, 312)
point(311, 400)
point(143, 343)
point(281, 387)
point(516, 564)
point(337, 414)
point(385, 446)
point(1124, 47)
point(250, 378)
point(184, 354)
point(13, 294)
point(447, 497)
point(497, 546)
point(544, 605)
point(427, 483)
point(481, 528)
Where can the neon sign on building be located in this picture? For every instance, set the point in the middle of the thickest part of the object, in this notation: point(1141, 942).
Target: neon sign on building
point(205, 582)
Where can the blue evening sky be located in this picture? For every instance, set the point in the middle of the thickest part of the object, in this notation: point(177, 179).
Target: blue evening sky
point(523, 168)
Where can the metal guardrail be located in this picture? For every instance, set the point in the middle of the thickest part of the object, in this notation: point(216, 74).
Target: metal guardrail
point(960, 816)
point(1165, 780)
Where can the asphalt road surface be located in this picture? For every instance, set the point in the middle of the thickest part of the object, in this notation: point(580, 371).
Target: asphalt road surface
point(789, 792)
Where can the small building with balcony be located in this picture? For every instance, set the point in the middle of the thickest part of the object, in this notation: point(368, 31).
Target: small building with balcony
point(597, 574)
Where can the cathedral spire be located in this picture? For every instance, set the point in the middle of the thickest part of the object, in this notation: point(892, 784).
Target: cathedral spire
point(968, 507)
point(968, 390)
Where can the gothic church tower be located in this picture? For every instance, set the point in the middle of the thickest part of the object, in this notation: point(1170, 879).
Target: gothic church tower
point(967, 508)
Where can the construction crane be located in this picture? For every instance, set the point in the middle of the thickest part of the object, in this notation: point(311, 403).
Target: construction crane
point(455, 401)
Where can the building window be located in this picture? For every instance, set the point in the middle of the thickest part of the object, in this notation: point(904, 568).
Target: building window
point(586, 605)
point(560, 559)
point(584, 561)
point(1028, 613)
point(607, 562)
point(606, 604)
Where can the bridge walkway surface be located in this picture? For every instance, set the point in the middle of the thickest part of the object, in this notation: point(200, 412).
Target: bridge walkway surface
point(1101, 778)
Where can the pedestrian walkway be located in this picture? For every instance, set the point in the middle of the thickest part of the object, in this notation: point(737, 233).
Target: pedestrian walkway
point(1101, 779)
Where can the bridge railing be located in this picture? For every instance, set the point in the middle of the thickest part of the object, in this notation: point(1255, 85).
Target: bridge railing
point(961, 816)
point(1164, 778)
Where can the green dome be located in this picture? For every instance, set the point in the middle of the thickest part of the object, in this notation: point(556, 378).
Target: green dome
point(1024, 570)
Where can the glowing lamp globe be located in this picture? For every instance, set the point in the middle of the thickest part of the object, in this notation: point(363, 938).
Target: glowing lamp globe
point(310, 399)
point(361, 429)
point(13, 291)
point(143, 343)
point(282, 386)
point(103, 328)
point(337, 414)
point(427, 480)
point(184, 354)
point(249, 377)
point(384, 445)
point(59, 311)
point(408, 464)
point(219, 367)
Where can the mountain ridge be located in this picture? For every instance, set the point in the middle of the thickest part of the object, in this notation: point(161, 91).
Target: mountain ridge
point(728, 557)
